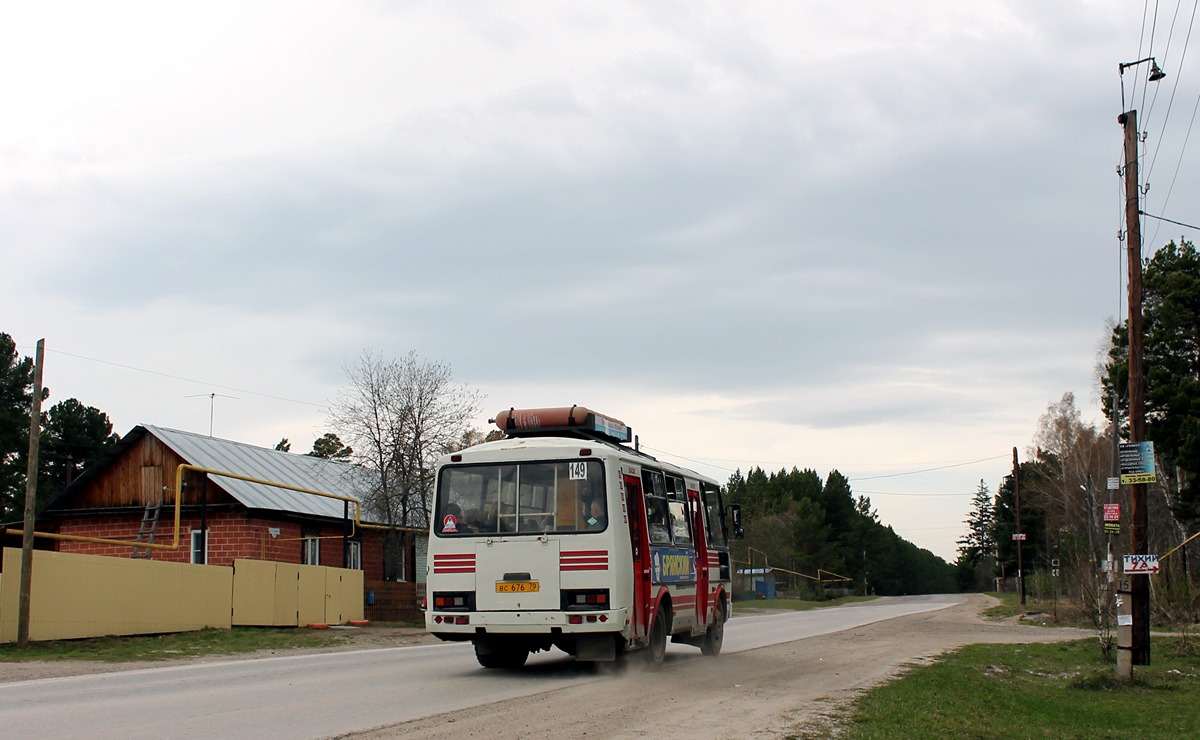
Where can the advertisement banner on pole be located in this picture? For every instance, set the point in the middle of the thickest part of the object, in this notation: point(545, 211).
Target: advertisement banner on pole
point(1137, 462)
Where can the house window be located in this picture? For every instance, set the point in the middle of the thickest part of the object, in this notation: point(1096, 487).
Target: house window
point(310, 551)
point(200, 547)
point(354, 555)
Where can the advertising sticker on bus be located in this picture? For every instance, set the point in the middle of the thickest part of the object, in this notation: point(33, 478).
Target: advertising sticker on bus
point(674, 565)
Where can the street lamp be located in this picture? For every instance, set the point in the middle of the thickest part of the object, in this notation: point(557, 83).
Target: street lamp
point(1156, 73)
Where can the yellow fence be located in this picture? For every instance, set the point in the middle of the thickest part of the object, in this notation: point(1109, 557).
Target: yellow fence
point(75, 595)
point(282, 594)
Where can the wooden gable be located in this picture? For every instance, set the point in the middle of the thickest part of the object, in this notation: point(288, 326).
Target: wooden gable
point(136, 475)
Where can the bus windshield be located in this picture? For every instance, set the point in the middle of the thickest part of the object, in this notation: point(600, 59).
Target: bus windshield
point(521, 498)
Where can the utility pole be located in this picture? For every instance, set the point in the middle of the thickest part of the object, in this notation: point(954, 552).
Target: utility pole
point(1140, 586)
point(31, 478)
point(1020, 537)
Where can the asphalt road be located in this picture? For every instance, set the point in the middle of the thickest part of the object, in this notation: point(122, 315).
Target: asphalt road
point(307, 696)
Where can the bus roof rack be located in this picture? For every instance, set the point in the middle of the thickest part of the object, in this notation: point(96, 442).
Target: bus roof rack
point(569, 421)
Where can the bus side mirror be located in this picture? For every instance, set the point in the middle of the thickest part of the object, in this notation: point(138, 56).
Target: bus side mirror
point(735, 515)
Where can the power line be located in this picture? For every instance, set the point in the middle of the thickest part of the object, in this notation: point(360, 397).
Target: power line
point(893, 493)
point(929, 470)
point(1191, 123)
point(1179, 223)
point(870, 477)
point(189, 380)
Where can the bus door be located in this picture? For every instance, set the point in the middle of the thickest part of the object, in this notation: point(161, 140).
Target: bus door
point(700, 538)
point(642, 597)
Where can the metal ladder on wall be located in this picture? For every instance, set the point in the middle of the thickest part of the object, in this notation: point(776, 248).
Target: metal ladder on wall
point(147, 528)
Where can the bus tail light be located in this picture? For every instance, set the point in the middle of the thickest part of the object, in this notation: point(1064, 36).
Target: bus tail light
point(585, 599)
point(454, 601)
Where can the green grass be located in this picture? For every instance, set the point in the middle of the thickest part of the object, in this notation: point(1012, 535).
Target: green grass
point(177, 645)
point(750, 607)
point(1062, 690)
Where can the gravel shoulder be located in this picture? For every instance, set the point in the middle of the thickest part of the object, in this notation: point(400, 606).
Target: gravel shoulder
point(798, 689)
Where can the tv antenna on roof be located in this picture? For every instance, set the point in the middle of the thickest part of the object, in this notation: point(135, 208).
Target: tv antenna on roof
point(212, 402)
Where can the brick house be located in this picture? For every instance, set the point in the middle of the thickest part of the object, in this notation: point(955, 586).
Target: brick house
point(224, 518)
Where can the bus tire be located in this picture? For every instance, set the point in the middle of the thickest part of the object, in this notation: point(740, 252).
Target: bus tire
point(656, 651)
point(507, 658)
point(714, 637)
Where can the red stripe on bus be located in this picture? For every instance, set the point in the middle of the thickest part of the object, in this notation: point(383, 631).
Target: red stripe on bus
point(454, 563)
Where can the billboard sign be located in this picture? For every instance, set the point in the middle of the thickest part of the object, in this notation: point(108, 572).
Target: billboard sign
point(1137, 462)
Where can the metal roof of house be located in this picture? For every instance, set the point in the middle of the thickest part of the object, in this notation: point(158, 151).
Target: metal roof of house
point(301, 471)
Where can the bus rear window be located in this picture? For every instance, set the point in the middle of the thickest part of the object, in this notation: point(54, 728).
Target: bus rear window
point(524, 498)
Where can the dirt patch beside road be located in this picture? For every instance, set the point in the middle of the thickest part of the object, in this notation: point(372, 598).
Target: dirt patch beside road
point(797, 689)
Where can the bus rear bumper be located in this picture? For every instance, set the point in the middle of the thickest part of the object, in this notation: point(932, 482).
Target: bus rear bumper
point(457, 625)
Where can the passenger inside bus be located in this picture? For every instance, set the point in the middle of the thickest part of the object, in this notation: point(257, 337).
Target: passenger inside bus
point(659, 533)
point(598, 519)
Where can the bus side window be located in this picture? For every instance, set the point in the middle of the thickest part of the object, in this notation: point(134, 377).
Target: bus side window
point(657, 516)
point(681, 529)
point(714, 522)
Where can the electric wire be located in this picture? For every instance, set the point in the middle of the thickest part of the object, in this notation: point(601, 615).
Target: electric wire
point(896, 493)
point(1176, 77)
point(929, 470)
point(860, 478)
point(1161, 218)
point(188, 380)
point(1191, 122)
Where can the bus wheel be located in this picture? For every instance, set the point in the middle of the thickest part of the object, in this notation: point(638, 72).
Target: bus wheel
point(715, 635)
point(508, 658)
point(656, 652)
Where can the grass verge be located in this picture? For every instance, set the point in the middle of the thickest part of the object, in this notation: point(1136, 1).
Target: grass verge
point(1062, 690)
point(177, 645)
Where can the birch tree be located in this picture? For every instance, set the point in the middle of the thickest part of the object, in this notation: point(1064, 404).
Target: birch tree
point(399, 416)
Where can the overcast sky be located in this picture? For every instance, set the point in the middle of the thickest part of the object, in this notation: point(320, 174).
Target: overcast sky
point(875, 237)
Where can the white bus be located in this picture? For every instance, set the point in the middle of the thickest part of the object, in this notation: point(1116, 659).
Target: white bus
point(561, 535)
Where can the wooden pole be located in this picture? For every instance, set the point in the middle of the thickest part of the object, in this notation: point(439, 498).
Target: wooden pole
point(1021, 532)
point(31, 480)
point(1140, 585)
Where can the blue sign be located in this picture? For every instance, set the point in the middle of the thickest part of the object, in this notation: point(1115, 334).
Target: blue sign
point(1137, 462)
point(674, 565)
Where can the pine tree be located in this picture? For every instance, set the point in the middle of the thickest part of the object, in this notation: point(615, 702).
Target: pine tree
point(980, 540)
